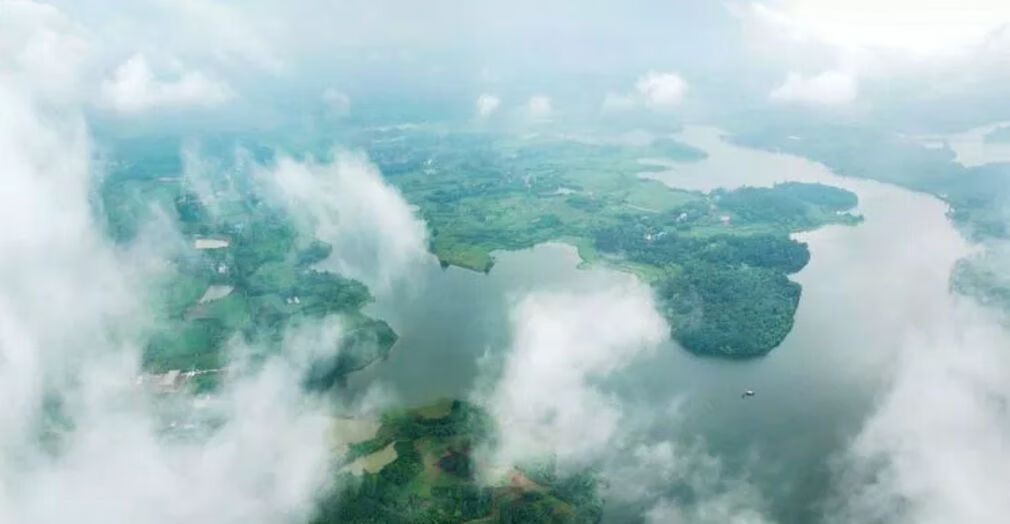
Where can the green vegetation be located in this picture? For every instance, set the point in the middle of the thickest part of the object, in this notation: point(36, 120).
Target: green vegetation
point(718, 261)
point(252, 281)
point(434, 477)
point(977, 195)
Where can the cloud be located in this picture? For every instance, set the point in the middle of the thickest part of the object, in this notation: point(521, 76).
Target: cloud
point(79, 440)
point(539, 108)
point(487, 104)
point(75, 428)
point(911, 26)
point(265, 461)
point(133, 88)
point(375, 234)
point(679, 482)
point(43, 49)
point(724, 508)
point(661, 90)
point(545, 400)
point(829, 88)
point(551, 398)
point(937, 447)
point(337, 101)
point(656, 91)
point(231, 34)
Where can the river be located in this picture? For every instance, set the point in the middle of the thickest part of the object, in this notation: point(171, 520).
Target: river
point(970, 146)
point(866, 289)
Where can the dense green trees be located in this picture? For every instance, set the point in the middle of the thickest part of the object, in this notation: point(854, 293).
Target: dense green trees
point(729, 294)
point(730, 310)
point(449, 492)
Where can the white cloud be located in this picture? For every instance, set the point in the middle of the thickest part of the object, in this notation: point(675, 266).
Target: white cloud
point(919, 27)
point(551, 399)
point(133, 88)
point(545, 401)
point(937, 447)
point(375, 234)
point(716, 509)
point(231, 33)
point(337, 101)
point(661, 90)
point(75, 428)
point(679, 482)
point(539, 107)
point(43, 49)
point(825, 89)
point(656, 91)
point(487, 104)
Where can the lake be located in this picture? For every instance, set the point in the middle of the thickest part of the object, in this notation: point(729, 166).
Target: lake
point(970, 147)
point(865, 290)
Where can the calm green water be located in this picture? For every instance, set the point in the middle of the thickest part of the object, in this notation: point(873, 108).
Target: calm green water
point(866, 289)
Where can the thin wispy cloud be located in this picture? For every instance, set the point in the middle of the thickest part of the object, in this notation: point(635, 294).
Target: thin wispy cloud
point(830, 88)
point(133, 87)
point(539, 108)
point(375, 234)
point(487, 104)
point(653, 90)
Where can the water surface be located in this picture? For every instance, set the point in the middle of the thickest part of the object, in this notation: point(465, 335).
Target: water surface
point(866, 290)
point(970, 147)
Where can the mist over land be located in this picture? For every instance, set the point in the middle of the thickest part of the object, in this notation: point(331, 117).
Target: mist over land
point(388, 261)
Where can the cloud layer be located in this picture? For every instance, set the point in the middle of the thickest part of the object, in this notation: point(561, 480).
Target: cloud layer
point(653, 90)
point(539, 108)
point(545, 399)
point(80, 440)
point(375, 234)
point(133, 88)
point(830, 88)
point(937, 447)
point(487, 104)
point(661, 90)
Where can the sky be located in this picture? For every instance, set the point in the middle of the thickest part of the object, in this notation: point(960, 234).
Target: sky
point(812, 56)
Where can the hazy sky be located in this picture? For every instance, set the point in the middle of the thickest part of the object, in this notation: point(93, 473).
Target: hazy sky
point(817, 55)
